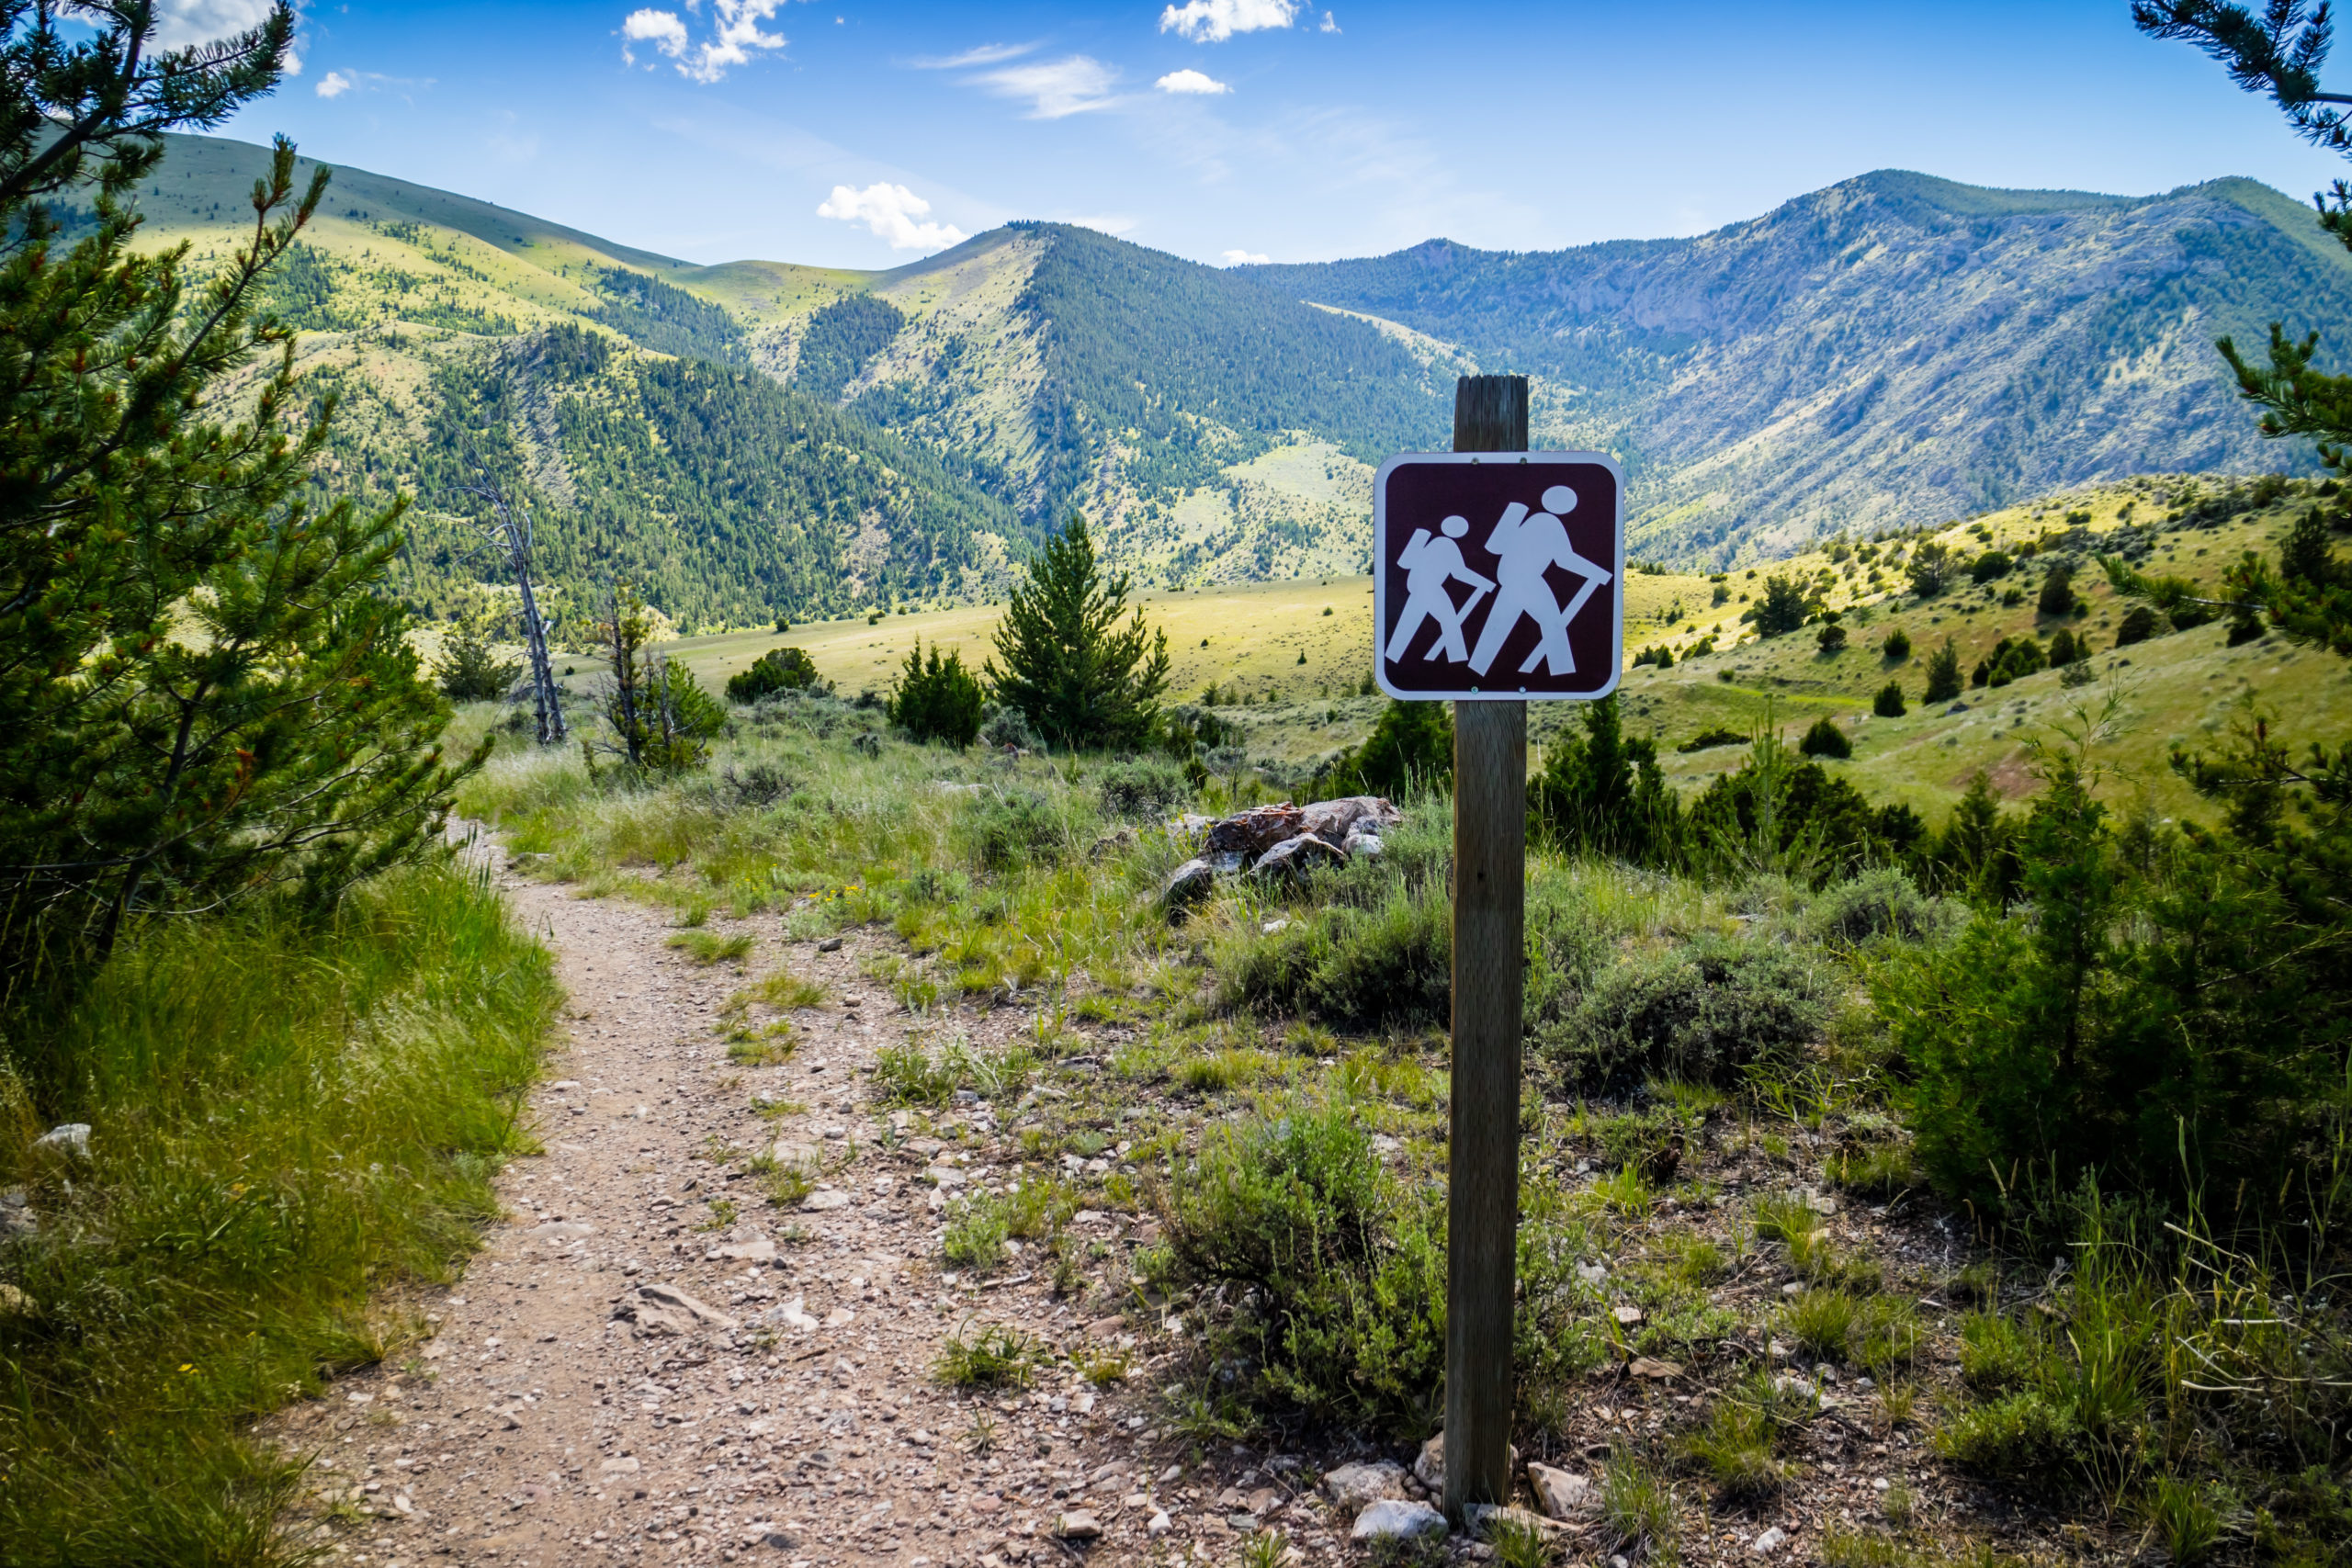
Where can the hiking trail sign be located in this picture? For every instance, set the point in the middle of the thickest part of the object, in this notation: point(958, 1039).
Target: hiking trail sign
point(1499, 575)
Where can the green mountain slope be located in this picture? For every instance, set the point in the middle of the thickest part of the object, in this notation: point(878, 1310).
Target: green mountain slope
point(1894, 349)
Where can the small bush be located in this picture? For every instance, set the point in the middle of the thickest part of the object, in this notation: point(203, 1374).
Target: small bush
point(1897, 645)
point(1143, 789)
point(2015, 1437)
point(2139, 623)
point(468, 671)
point(1002, 726)
point(1831, 639)
point(2184, 1517)
point(1012, 828)
point(1717, 736)
point(1943, 674)
point(1390, 966)
point(1637, 1510)
point(1888, 704)
point(1990, 565)
point(1343, 1278)
point(1409, 752)
point(708, 947)
point(936, 699)
point(1826, 739)
point(778, 669)
point(1880, 905)
point(1701, 1013)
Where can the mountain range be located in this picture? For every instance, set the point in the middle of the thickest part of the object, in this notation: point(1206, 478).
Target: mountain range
point(758, 438)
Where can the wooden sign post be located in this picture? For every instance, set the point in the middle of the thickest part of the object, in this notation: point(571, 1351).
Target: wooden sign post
point(1489, 940)
point(1499, 577)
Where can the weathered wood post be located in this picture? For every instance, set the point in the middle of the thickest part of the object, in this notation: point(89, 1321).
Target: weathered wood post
point(1489, 922)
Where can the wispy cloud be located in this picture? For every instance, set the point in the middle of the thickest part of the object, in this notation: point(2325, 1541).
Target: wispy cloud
point(1056, 88)
point(333, 85)
point(1190, 81)
point(1244, 258)
point(1329, 25)
point(1214, 21)
point(735, 36)
point(985, 54)
point(336, 83)
point(889, 212)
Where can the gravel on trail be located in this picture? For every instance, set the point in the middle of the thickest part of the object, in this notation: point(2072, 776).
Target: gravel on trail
point(648, 1361)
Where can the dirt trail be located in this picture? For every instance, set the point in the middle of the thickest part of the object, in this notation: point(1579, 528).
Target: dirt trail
point(802, 1423)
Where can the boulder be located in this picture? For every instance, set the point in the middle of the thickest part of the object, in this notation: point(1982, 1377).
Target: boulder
point(1079, 1525)
point(1361, 845)
point(1333, 820)
point(1255, 831)
point(1393, 1520)
point(1358, 1487)
point(1295, 857)
point(73, 1138)
point(1188, 884)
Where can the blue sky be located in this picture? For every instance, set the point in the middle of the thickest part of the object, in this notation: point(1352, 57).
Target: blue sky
point(866, 132)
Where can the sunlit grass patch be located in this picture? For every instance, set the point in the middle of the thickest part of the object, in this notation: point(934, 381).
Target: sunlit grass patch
point(708, 947)
point(996, 1357)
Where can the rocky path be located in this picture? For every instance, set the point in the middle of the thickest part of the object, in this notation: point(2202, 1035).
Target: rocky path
point(651, 1362)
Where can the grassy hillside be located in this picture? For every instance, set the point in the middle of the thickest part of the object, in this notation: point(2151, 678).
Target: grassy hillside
point(1301, 670)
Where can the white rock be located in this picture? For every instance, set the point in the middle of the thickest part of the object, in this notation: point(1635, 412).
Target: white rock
point(759, 1249)
point(1562, 1494)
point(1770, 1541)
point(1160, 1524)
point(825, 1198)
point(622, 1466)
point(1359, 1485)
point(1394, 1519)
point(665, 1309)
point(1077, 1525)
point(1429, 1468)
point(1592, 1274)
point(71, 1138)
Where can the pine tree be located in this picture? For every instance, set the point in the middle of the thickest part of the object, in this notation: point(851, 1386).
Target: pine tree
point(659, 716)
point(1084, 681)
point(936, 698)
point(1943, 674)
point(202, 694)
point(470, 672)
point(1604, 792)
point(1782, 607)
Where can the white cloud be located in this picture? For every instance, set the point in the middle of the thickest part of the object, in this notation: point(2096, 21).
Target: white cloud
point(1214, 21)
point(1244, 258)
point(889, 212)
point(333, 85)
point(182, 22)
point(734, 37)
point(986, 54)
point(1329, 25)
point(660, 28)
point(1055, 88)
point(1190, 81)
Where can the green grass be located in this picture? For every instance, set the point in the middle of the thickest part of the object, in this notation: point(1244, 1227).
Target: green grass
point(996, 1357)
point(708, 947)
point(288, 1118)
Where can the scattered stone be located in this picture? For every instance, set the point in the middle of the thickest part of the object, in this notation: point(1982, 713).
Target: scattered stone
point(14, 1303)
point(825, 1198)
point(1255, 831)
point(1394, 1519)
point(1159, 1525)
point(1358, 1487)
point(746, 1249)
point(1562, 1494)
point(625, 1465)
point(665, 1309)
point(1483, 1518)
point(1770, 1541)
point(1079, 1525)
point(1659, 1371)
point(71, 1138)
point(561, 1230)
point(831, 944)
point(1627, 1315)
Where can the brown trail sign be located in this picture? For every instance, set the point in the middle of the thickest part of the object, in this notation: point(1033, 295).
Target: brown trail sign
point(1498, 576)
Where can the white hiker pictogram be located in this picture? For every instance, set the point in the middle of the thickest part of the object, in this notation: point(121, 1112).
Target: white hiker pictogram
point(1526, 546)
point(1430, 564)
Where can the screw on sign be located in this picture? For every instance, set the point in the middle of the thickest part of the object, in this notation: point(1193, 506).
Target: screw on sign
point(1499, 575)
point(1498, 578)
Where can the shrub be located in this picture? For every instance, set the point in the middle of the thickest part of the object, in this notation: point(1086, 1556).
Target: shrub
point(1897, 645)
point(778, 669)
point(997, 1357)
point(1826, 739)
point(1880, 904)
point(2017, 1438)
point(1143, 789)
point(1409, 752)
point(2012, 659)
point(1888, 704)
point(1832, 638)
point(1943, 674)
point(1002, 726)
point(2139, 623)
point(1988, 565)
point(936, 699)
point(1701, 1013)
point(1603, 792)
point(1342, 1278)
point(1930, 568)
point(1716, 736)
point(1386, 967)
point(1014, 828)
point(469, 671)
point(1783, 608)
point(2057, 596)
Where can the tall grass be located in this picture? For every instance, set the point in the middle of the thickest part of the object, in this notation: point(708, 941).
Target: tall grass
point(286, 1118)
